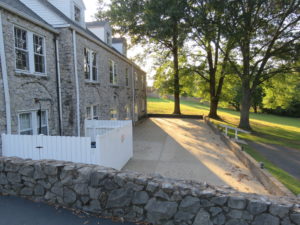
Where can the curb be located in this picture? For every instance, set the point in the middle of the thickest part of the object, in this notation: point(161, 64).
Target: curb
point(175, 116)
point(273, 186)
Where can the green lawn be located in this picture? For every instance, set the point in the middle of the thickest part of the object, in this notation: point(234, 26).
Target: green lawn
point(270, 129)
point(284, 131)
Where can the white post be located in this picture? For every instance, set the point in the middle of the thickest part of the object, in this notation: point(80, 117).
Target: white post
point(226, 131)
point(77, 83)
point(236, 134)
point(5, 80)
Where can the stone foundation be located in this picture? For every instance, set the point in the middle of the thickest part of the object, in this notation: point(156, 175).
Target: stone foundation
point(139, 198)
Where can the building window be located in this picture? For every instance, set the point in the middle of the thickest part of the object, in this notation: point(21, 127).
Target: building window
point(112, 72)
point(113, 114)
point(25, 123)
point(77, 14)
point(92, 112)
point(29, 51)
point(128, 114)
point(90, 65)
point(143, 105)
point(33, 123)
point(21, 49)
point(42, 127)
point(108, 38)
point(39, 54)
point(126, 78)
point(136, 79)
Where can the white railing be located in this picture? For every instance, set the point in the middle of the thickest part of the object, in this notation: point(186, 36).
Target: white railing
point(109, 144)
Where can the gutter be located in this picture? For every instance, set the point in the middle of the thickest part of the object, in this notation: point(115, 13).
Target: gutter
point(58, 87)
point(5, 80)
point(76, 83)
point(133, 95)
point(25, 16)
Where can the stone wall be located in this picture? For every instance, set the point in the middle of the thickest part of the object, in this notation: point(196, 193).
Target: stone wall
point(101, 92)
point(136, 197)
point(25, 86)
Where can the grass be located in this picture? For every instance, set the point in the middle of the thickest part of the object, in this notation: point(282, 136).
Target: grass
point(270, 129)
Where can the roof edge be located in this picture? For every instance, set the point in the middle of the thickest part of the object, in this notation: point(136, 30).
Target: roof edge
point(21, 14)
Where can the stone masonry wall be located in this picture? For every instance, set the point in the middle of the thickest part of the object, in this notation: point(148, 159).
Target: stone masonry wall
point(101, 92)
point(24, 87)
point(136, 197)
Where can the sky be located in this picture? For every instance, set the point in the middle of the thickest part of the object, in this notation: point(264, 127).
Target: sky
point(91, 9)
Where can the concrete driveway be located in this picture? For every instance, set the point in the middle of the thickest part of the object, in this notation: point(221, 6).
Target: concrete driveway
point(17, 211)
point(188, 149)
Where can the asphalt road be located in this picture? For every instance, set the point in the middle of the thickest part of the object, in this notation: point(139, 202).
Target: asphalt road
point(286, 158)
point(17, 211)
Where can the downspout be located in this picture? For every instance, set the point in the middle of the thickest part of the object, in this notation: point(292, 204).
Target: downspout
point(58, 86)
point(5, 80)
point(133, 95)
point(76, 83)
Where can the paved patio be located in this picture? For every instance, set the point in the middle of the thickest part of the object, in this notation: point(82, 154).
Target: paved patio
point(188, 149)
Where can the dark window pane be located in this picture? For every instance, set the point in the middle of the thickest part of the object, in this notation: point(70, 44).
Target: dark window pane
point(86, 64)
point(39, 63)
point(77, 14)
point(38, 44)
point(20, 38)
point(22, 60)
point(95, 76)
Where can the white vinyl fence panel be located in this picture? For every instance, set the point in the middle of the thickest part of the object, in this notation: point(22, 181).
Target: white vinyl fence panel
point(116, 146)
point(109, 143)
point(36, 147)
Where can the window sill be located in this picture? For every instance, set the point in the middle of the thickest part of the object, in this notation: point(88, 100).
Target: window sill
point(92, 82)
point(115, 85)
point(26, 74)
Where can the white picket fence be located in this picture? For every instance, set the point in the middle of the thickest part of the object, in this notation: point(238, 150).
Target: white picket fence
point(109, 143)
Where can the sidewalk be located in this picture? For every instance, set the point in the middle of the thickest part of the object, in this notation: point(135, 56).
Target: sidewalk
point(17, 211)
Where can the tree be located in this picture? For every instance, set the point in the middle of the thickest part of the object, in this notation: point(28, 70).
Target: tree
point(155, 21)
point(267, 36)
point(282, 95)
point(205, 18)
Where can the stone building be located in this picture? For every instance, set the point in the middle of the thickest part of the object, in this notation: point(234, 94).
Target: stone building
point(57, 70)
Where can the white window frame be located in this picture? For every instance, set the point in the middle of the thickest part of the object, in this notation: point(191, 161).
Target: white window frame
point(30, 50)
point(94, 115)
point(34, 121)
point(113, 65)
point(91, 66)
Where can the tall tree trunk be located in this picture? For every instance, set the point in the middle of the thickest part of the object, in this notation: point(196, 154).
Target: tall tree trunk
point(176, 72)
point(245, 107)
point(214, 102)
point(255, 108)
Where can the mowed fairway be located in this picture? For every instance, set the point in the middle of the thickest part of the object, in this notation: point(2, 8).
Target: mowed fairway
point(269, 129)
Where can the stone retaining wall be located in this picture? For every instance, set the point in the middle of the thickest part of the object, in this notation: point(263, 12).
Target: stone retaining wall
point(136, 197)
point(273, 186)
